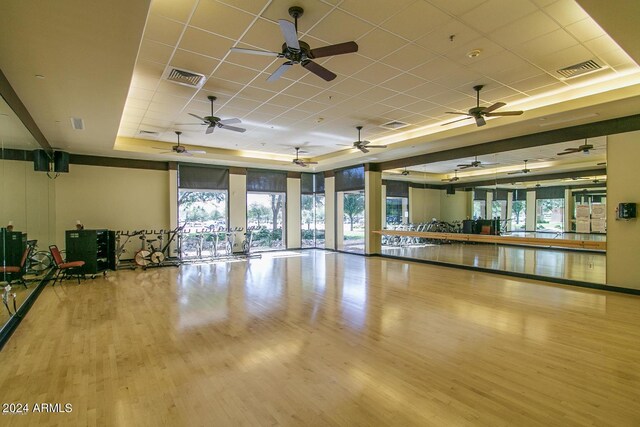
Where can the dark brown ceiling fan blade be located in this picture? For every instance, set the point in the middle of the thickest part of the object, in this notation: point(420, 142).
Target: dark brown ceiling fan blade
point(493, 107)
point(480, 121)
point(363, 149)
point(233, 128)
point(290, 34)
point(376, 146)
point(198, 117)
point(459, 120)
point(568, 151)
point(465, 166)
point(319, 70)
point(254, 51)
point(504, 113)
point(334, 49)
point(280, 71)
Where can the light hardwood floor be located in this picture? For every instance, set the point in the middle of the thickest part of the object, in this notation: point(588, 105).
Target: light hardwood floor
point(322, 338)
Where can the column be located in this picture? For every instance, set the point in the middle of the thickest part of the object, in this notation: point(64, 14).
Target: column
point(294, 219)
point(372, 209)
point(237, 203)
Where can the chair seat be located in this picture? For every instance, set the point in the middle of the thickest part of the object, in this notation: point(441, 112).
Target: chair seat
point(9, 269)
point(71, 264)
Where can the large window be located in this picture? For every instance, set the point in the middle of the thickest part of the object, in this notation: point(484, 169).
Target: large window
point(350, 235)
point(266, 203)
point(397, 209)
point(518, 215)
point(550, 215)
point(312, 210)
point(203, 209)
point(479, 209)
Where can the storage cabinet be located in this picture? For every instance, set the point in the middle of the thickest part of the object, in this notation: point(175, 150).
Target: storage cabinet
point(94, 247)
point(12, 246)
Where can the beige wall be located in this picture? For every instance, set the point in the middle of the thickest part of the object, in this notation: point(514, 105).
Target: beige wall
point(372, 212)
point(454, 207)
point(112, 198)
point(237, 206)
point(329, 214)
point(424, 205)
point(27, 199)
point(293, 214)
point(623, 237)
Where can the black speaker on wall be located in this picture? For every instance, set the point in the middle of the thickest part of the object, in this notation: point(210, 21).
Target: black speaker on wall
point(451, 189)
point(40, 161)
point(61, 161)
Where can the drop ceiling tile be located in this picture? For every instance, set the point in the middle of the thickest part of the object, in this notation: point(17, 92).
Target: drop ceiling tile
point(137, 104)
point(457, 8)
point(178, 10)
point(312, 107)
point(350, 86)
point(403, 83)
point(564, 58)
point(155, 119)
point(418, 19)
point(497, 63)
point(295, 115)
point(286, 101)
point(528, 85)
point(601, 45)
point(400, 100)
point(520, 70)
point(409, 56)
point(251, 6)
point(256, 94)
point(427, 90)
point(276, 86)
point(616, 58)
point(347, 65)
point(243, 103)
point(272, 110)
point(585, 30)
point(141, 94)
point(433, 70)
point(314, 11)
point(163, 30)
point(500, 93)
point(146, 75)
point(175, 89)
point(547, 89)
point(375, 110)
point(331, 98)
point(440, 41)
point(339, 27)
point(265, 35)
point(377, 73)
point(189, 61)
point(168, 110)
point(221, 19)
point(204, 43)
point(494, 14)
point(377, 93)
point(379, 43)
point(235, 73)
point(454, 100)
point(545, 45)
point(461, 77)
point(219, 87)
point(524, 29)
point(566, 12)
point(133, 114)
point(487, 49)
point(155, 52)
point(376, 11)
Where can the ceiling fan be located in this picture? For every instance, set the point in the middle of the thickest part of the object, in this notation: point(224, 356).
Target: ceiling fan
point(585, 148)
point(475, 164)
point(525, 170)
point(212, 122)
point(404, 172)
point(181, 149)
point(298, 161)
point(364, 145)
point(453, 178)
point(479, 113)
point(299, 52)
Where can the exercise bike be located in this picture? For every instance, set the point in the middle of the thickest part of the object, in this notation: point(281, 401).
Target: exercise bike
point(150, 255)
point(248, 240)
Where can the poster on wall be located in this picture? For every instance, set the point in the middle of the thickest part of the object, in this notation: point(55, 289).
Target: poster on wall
point(598, 225)
point(582, 212)
point(598, 210)
point(583, 226)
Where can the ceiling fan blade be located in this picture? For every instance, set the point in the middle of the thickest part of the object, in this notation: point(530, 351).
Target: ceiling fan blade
point(210, 129)
point(290, 34)
point(190, 124)
point(465, 166)
point(504, 113)
point(480, 121)
point(456, 112)
point(514, 173)
point(280, 71)
point(233, 128)
point(363, 149)
point(568, 151)
point(196, 152)
point(493, 107)
point(319, 70)
point(311, 163)
point(334, 49)
point(376, 146)
point(254, 51)
point(229, 121)
point(459, 120)
point(198, 117)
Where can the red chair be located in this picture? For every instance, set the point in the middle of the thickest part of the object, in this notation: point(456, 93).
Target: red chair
point(71, 268)
point(15, 272)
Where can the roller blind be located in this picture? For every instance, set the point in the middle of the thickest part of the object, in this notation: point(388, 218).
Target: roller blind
point(202, 178)
point(397, 188)
point(520, 195)
point(350, 179)
point(500, 195)
point(266, 181)
point(550, 193)
point(312, 183)
point(479, 194)
point(318, 182)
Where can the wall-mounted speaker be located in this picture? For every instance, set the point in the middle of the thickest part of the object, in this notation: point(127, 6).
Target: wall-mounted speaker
point(451, 189)
point(61, 161)
point(40, 161)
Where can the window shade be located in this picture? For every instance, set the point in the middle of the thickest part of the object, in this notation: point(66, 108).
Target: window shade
point(550, 193)
point(318, 182)
point(520, 195)
point(350, 179)
point(266, 181)
point(500, 195)
point(202, 178)
point(312, 183)
point(479, 194)
point(397, 188)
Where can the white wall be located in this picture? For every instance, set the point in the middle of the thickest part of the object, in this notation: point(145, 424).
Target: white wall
point(294, 220)
point(623, 237)
point(112, 198)
point(454, 207)
point(424, 205)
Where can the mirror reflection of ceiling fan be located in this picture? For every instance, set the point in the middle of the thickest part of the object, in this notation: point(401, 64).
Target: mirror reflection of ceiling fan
point(405, 172)
point(454, 178)
point(180, 149)
point(479, 113)
point(299, 52)
point(363, 145)
point(298, 161)
point(475, 164)
point(584, 148)
point(212, 122)
point(524, 170)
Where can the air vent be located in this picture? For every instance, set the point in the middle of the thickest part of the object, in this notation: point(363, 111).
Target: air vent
point(148, 133)
point(184, 77)
point(579, 69)
point(77, 123)
point(394, 125)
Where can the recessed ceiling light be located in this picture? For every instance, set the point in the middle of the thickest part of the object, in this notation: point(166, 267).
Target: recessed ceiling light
point(474, 53)
point(39, 76)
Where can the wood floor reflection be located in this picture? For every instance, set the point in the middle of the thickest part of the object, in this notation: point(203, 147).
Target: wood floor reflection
point(583, 266)
point(322, 338)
